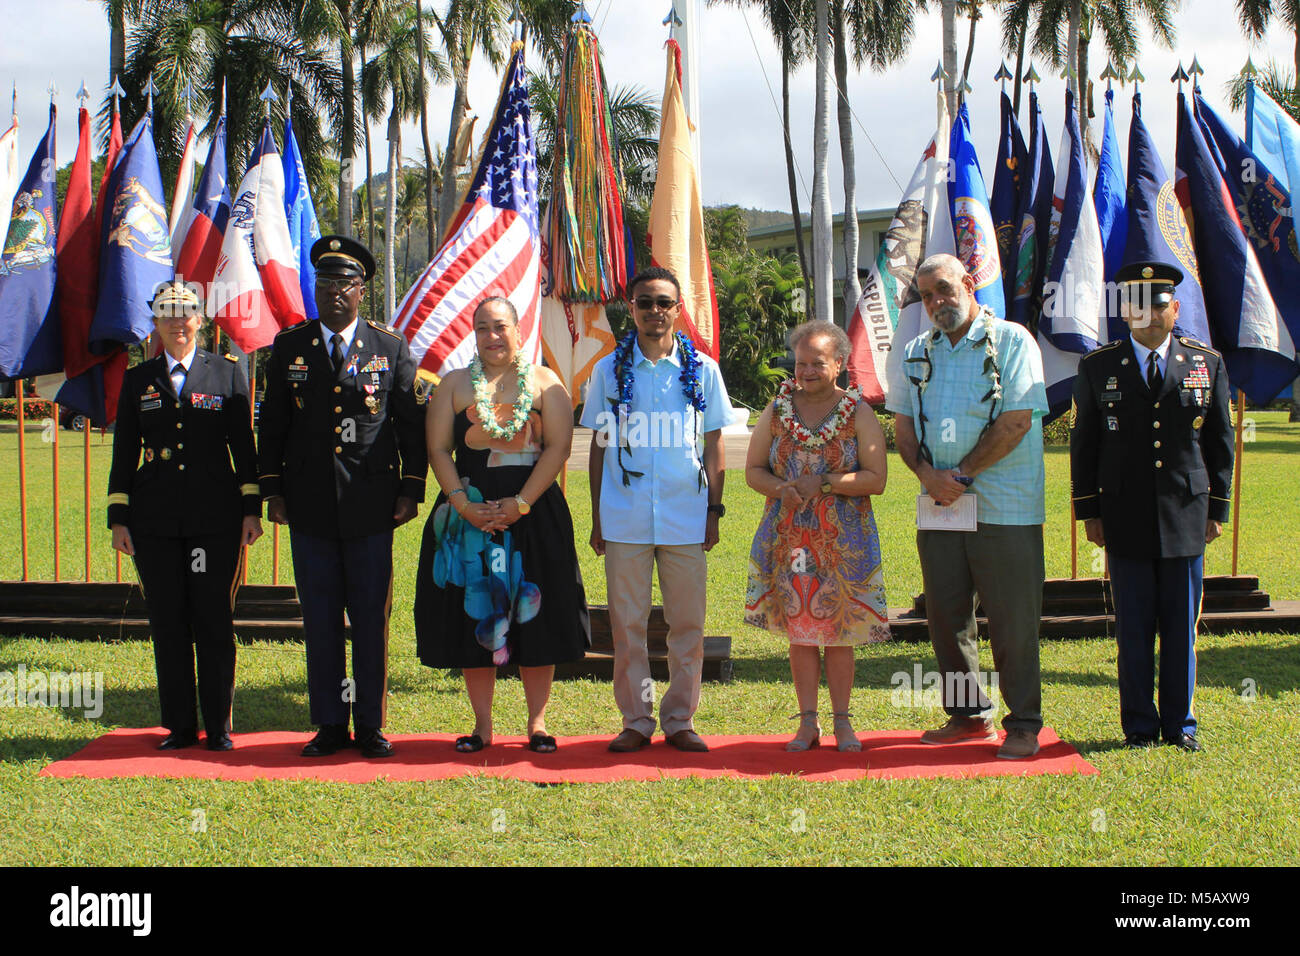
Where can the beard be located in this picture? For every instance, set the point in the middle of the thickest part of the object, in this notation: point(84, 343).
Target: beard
point(949, 318)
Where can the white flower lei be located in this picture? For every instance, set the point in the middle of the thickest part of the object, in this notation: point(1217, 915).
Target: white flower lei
point(523, 406)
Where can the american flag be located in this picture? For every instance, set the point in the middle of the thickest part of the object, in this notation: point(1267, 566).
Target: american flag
point(492, 247)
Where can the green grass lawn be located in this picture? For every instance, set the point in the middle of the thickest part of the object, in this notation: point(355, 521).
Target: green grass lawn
point(1232, 804)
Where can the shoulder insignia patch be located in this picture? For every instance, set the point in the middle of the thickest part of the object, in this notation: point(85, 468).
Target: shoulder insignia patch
point(230, 358)
point(383, 328)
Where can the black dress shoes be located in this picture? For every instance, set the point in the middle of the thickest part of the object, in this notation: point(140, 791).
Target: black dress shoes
point(331, 738)
point(1136, 741)
point(220, 741)
point(373, 743)
point(1184, 742)
point(179, 739)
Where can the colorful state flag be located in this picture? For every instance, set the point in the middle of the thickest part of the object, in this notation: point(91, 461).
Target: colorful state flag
point(254, 292)
point(1010, 179)
point(972, 223)
point(1035, 224)
point(1157, 227)
point(1071, 323)
point(304, 230)
point(492, 248)
point(30, 341)
point(889, 314)
point(1108, 196)
point(676, 233)
point(10, 171)
point(1273, 136)
point(182, 206)
point(575, 336)
point(1249, 330)
point(1247, 325)
point(135, 244)
point(200, 247)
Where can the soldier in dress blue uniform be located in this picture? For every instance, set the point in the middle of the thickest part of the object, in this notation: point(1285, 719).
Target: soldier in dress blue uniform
point(179, 508)
point(343, 463)
point(1151, 454)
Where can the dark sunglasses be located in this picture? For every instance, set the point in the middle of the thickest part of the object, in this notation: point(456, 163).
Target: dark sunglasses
point(336, 285)
point(647, 302)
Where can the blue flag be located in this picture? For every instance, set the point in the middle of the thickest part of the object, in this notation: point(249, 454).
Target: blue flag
point(1248, 329)
point(1035, 219)
point(972, 223)
point(1108, 195)
point(1274, 136)
point(1009, 182)
point(30, 341)
point(298, 208)
point(136, 251)
point(1157, 229)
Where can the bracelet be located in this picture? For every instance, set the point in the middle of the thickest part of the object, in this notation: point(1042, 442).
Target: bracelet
point(456, 491)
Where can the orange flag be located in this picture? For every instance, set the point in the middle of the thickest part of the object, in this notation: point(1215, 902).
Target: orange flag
point(676, 235)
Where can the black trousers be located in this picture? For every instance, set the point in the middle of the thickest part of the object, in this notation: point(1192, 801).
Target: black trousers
point(189, 585)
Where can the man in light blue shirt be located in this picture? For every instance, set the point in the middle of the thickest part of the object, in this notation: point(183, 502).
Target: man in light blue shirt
point(969, 420)
point(657, 408)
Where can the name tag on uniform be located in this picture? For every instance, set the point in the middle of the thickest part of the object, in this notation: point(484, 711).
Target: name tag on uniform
point(1111, 396)
point(210, 402)
point(297, 373)
point(958, 516)
point(150, 401)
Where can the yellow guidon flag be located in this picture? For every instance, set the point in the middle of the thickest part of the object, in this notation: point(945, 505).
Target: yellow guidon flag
point(676, 235)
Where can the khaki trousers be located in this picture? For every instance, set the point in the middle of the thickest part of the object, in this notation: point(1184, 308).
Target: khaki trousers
point(683, 579)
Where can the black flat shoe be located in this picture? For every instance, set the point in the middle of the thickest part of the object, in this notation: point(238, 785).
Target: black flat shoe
point(1138, 741)
point(328, 740)
point(373, 744)
point(469, 745)
point(542, 744)
point(220, 742)
point(1184, 742)
point(179, 739)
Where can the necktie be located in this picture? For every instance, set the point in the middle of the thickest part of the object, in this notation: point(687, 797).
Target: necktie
point(1154, 378)
point(178, 377)
point(336, 352)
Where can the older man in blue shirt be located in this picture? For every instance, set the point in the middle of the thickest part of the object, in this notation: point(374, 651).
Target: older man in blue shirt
point(969, 421)
point(657, 408)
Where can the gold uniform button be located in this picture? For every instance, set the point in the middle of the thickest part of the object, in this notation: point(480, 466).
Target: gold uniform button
point(180, 445)
point(1156, 405)
point(1157, 444)
point(338, 450)
point(178, 404)
point(338, 429)
point(1160, 464)
point(181, 467)
point(337, 389)
point(1155, 424)
point(338, 409)
point(180, 424)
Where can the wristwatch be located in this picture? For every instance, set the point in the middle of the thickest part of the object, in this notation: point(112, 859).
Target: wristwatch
point(718, 509)
point(524, 506)
point(826, 485)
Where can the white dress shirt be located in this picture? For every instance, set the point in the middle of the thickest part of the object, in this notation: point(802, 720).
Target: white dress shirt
point(178, 378)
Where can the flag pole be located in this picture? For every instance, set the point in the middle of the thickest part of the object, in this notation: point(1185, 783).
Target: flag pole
point(1236, 480)
point(54, 407)
point(85, 483)
point(22, 473)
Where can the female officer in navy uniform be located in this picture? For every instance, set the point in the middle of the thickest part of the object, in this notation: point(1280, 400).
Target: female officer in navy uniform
point(184, 513)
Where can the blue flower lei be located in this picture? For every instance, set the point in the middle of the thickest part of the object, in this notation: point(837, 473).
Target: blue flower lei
point(623, 375)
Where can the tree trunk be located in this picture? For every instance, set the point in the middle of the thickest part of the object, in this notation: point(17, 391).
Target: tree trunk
point(1072, 45)
point(950, 53)
point(459, 107)
point(1085, 102)
point(852, 287)
point(424, 136)
point(390, 212)
point(1020, 64)
point(370, 187)
point(970, 49)
point(117, 45)
point(348, 142)
point(823, 267)
point(789, 164)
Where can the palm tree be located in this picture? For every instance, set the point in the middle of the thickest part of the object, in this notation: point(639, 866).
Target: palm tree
point(467, 27)
point(823, 268)
point(411, 209)
point(120, 13)
point(787, 21)
point(1255, 16)
point(395, 73)
point(238, 48)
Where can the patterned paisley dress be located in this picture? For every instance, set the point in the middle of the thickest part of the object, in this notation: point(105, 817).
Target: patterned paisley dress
point(814, 572)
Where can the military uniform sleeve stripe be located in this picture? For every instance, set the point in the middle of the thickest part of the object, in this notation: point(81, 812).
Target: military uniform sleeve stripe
point(119, 498)
point(250, 489)
point(1083, 497)
point(1217, 498)
point(414, 477)
point(273, 475)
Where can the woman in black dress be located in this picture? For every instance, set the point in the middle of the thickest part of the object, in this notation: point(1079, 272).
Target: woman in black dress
point(183, 501)
point(498, 577)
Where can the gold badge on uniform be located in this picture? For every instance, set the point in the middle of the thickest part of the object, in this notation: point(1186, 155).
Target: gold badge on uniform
point(148, 454)
point(1198, 421)
point(165, 454)
point(372, 403)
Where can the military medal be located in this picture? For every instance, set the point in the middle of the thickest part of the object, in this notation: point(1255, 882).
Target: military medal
point(372, 403)
point(209, 402)
point(1112, 423)
point(352, 366)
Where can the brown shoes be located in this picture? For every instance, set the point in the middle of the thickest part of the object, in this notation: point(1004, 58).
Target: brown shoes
point(688, 741)
point(628, 741)
point(1018, 745)
point(962, 728)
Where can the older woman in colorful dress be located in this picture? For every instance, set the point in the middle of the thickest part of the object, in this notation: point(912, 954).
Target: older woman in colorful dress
point(818, 454)
point(498, 575)
point(183, 501)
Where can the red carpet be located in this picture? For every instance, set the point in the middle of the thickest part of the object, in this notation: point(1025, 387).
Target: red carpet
point(887, 754)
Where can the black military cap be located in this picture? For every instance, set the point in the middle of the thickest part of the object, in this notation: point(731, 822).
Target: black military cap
point(1149, 282)
point(341, 256)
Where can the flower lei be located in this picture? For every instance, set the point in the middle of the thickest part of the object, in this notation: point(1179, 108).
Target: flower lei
point(991, 369)
point(623, 376)
point(783, 406)
point(523, 406)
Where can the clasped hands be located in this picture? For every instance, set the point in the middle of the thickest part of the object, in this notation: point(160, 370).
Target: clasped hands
point(941, 484)
point(490, 516)
point(796, 492)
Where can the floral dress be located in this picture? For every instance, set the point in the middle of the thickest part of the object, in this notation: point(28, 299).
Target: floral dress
point(814, 572)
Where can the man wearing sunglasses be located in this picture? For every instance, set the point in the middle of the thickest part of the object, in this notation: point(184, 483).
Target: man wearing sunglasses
point(1151, 455)
point(657, 408)
point(342, 461)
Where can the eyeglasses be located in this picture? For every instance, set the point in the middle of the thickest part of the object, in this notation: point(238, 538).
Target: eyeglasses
point(336, 285)
point(646, 302)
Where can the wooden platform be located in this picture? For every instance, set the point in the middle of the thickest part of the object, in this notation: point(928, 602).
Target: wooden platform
point(1083, 607)
point(116, 612)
